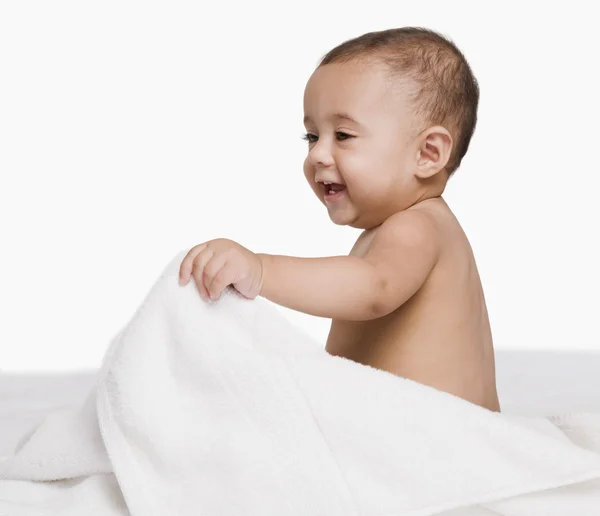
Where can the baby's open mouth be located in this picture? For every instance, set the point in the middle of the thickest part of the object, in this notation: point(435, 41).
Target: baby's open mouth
point(332, 188)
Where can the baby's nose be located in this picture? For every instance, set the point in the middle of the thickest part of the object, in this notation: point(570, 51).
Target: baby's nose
point(320, 155)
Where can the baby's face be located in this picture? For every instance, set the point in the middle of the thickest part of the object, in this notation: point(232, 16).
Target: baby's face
point(370, 152)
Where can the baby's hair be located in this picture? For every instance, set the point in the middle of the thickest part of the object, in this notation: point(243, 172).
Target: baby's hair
point(447, 92)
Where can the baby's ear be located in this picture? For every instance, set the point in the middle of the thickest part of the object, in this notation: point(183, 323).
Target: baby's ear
point(433, 153)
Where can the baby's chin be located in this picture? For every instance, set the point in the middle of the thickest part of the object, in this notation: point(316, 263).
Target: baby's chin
point(343, 212)
point(342, 217)
point(337, 219)
point(354, 219)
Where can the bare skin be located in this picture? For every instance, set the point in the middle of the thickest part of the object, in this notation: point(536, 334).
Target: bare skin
point(408, 298)
point(432, 326)
point(441, 336)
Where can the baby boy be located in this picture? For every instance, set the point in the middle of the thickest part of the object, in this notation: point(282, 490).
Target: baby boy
point(389, 116)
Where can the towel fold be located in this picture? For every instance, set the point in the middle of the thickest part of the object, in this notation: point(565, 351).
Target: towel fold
point(226, 408)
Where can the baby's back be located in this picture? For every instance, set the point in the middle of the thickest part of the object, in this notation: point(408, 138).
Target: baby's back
point(441, 336)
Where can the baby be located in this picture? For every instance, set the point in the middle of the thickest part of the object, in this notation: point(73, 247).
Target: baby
point(389, 116)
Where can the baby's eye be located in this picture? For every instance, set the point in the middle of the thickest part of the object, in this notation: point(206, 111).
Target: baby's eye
point(310, 138)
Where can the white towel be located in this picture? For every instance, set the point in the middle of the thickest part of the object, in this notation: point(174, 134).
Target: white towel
point(226, 408)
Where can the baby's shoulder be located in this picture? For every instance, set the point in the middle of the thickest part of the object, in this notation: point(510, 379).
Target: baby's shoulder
point(417, 227)
point(414, 223)
point(434, 217)
point(445, 229)
point(432, 227)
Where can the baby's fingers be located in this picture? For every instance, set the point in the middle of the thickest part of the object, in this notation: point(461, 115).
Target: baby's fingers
point(187, 264)
point(201, 261)
point(217, 276)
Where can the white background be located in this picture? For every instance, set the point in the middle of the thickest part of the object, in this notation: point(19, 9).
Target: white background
point(132, 130)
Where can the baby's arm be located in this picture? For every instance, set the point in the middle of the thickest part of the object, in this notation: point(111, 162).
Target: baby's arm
point(403, 251)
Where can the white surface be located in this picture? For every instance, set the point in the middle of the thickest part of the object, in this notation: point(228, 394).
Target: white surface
point(532, 382)
point(200, 400)
point(130, 130)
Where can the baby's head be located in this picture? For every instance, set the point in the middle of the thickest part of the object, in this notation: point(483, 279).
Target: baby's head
point(389, 115)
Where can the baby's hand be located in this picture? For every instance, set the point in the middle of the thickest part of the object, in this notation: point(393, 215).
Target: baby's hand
point(218, 263)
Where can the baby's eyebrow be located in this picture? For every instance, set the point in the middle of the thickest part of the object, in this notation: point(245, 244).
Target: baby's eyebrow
point(345, 116)
point(339, 115)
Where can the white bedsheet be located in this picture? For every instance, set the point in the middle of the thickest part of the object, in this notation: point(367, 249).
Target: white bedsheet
point(225, 409)
point(533, 383)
